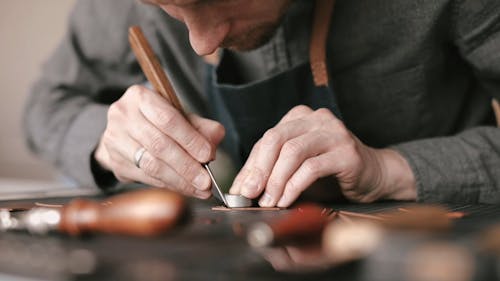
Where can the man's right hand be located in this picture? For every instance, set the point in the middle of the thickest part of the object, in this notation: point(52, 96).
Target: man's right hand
point(174, 146)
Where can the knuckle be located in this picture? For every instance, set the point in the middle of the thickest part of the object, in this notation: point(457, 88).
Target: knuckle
point(150, 166)
point(300, 109)
point(115, 111)
point(312, 167)
point(135, 90)
point(292, 187)
point(273, 184)
point(335, 124)
point(292, 148)
point(324, 113)
point(158, 144)
point(167, 119)
point(271, 138)
point(112, 110)
point(195, 144)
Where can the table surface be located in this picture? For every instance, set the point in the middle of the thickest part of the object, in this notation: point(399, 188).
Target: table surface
point(208, 247)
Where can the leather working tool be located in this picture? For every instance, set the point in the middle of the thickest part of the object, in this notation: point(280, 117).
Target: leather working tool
point(157, 77)
point(145, 212)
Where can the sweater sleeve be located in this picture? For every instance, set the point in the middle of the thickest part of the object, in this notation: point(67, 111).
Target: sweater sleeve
point(465, 168)
point(66, 110)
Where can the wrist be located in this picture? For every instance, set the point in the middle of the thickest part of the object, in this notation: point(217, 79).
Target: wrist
point(398, 181)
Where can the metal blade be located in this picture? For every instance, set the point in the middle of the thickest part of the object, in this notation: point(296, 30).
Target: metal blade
point(216, 186)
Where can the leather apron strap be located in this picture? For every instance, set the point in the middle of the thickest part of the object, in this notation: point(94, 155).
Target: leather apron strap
point(317, 47)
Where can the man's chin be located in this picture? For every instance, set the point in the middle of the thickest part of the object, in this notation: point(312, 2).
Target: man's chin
point(251, 40)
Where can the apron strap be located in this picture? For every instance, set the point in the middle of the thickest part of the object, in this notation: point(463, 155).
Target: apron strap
point(317, 47)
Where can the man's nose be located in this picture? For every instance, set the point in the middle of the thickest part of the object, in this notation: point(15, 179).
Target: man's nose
point(206, 36)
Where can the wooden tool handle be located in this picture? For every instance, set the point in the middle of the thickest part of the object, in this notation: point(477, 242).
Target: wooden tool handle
point(423, 218)
point(496, 110)
point(346, 241)
point(145, 212)
point(301, 225)
point(151, 66)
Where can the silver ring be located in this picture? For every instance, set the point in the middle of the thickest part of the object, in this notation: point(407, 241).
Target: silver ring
point(138, 156)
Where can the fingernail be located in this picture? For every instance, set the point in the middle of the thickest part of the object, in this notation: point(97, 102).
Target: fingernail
point(201, 194)
point(266, 200)
point(201, 181)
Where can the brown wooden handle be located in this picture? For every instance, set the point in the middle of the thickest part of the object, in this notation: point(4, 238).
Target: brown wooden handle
point(145, 212)
point(346, 241)
point(151, 66)
point(422, 218)
point(301, 225)
point(496, 110)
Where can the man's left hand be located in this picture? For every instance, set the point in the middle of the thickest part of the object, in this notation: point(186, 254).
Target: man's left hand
point(307, 145)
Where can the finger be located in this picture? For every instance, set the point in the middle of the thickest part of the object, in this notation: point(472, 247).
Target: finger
point(310, 170)
point(253, 177)
point(298, 112)
point(123, 165)
point(292, 155)
point(126, 172)
point(156, 168)
point(172, 123)
point(164, 148)
point(210, 129)
point(125, 169)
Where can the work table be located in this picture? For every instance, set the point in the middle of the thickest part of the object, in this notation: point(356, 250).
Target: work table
point(210, 246)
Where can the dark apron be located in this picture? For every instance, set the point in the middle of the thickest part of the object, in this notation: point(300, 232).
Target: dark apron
point(247, 111)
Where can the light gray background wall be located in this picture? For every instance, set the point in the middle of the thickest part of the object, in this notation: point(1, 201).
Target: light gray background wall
point(29, 31)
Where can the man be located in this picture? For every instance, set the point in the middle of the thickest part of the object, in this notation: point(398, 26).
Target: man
point(409, 117)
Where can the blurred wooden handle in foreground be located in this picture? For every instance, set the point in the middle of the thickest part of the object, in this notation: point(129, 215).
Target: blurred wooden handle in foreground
point(145, 212)
point(496, 109)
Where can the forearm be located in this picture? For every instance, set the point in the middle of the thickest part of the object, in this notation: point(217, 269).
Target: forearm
point(463, 168)
point(65, 137)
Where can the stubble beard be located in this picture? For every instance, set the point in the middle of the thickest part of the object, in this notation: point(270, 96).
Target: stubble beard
point(255, 36)
point(252, 39)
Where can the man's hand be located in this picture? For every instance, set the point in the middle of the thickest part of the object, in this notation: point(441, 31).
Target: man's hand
point(307, 145)
point(175, 147)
